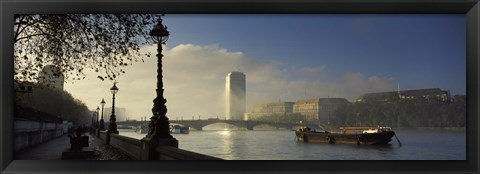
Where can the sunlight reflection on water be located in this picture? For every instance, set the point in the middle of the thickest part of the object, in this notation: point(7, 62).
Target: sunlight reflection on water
point(280, 145)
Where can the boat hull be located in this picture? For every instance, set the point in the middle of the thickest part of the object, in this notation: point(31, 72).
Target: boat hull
point(345, 138)
point(179, 131)
point(143, 129)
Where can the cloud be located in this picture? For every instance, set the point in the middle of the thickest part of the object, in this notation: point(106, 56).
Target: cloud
point(194, 82)
point(312, 70)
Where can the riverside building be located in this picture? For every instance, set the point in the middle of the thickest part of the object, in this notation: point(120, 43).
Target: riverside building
point(431, 93)
point(319, 109)
point(52, 77)
point(235, 96)
point(275, 111)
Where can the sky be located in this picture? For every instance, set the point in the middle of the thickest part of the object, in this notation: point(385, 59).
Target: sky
point(287, 58)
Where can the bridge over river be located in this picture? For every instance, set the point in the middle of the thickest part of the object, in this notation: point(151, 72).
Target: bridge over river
point(248, 124)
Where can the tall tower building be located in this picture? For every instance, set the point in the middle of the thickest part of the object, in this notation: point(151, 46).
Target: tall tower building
point(52, 77)
point(120, 114)
point(235, 96)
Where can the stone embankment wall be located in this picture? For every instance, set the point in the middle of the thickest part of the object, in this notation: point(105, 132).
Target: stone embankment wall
point(136, 149)
point(30, 133)
point(130, 146)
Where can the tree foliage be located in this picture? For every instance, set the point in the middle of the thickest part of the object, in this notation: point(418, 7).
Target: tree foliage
point(417, 112)
point(104, 43)
point(55, 102)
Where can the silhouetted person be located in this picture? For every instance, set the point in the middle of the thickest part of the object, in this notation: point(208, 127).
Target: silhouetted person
point(70, 130)
point(79, 132)
point(78, 141)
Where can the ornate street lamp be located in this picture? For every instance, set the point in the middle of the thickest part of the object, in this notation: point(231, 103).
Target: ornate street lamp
point(102, 123)
point(96, 118)
point(112, 127)
point(159, 125)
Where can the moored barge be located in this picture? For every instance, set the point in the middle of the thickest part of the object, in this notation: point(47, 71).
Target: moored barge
point(348, 135)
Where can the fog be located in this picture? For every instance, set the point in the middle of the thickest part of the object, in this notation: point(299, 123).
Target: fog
point(194, 82)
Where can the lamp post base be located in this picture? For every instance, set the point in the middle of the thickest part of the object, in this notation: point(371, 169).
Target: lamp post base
point(112, 132)
point(161, 141)
point(149, 145)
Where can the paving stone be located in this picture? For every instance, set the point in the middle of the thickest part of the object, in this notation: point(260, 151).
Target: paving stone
point(52, 150)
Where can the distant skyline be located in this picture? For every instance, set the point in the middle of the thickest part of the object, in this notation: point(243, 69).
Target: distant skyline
point(288, 57)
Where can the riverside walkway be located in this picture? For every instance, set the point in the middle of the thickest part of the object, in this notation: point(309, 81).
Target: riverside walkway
point(52, 150)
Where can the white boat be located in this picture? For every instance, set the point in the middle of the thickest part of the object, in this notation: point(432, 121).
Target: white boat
point(179, 129)
point(142, 129)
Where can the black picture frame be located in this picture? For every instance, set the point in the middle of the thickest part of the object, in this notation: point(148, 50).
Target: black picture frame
point(471, 9)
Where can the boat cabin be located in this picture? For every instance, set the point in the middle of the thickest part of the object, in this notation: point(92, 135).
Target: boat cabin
point(364, 129)
point(377, 130)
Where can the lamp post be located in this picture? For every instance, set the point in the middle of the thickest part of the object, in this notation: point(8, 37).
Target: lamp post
point(159, 125)
point(96, 118)
point(102, 123)
point(112, 127)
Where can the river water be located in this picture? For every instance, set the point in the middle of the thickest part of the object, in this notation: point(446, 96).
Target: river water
point(280, 145)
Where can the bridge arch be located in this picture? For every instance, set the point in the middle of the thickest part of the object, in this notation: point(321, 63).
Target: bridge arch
point(249, 125)
point(200, 124)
